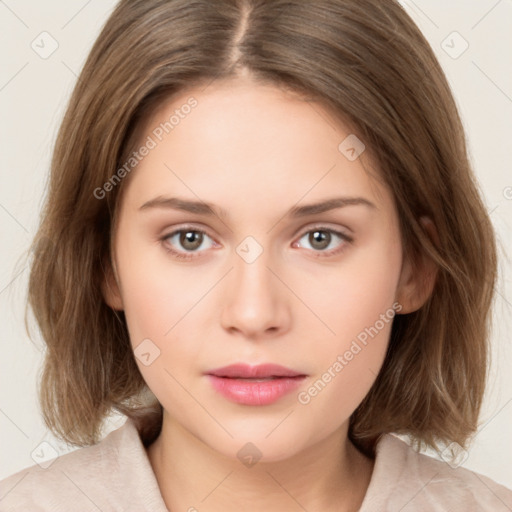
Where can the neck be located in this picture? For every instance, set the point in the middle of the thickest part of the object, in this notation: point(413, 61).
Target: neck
point(331, 475)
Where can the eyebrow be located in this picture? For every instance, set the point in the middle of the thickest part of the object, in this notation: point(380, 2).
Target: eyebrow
point(202, 208)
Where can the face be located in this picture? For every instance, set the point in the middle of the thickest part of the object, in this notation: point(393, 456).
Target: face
point(258, 276)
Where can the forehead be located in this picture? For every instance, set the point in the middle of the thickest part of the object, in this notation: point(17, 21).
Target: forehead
point(242, 140)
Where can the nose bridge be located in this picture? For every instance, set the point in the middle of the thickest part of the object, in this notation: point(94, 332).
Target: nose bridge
point(253, 277)
point(251, 262)
point(256, 302)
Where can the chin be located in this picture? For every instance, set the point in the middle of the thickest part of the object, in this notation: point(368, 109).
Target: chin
point(258, 443)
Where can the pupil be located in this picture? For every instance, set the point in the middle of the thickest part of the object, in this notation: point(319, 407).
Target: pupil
point(189, 239)
point(320, 239)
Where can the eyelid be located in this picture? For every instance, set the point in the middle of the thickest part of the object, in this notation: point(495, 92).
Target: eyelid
point(342, 231)
point(190, 227)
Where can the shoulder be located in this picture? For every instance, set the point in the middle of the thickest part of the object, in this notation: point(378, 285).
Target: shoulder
point(404, 479)
point(91, 478)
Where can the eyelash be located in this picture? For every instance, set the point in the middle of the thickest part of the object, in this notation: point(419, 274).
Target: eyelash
point(320, 254)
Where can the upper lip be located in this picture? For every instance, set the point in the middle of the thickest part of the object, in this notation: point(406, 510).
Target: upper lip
point(245, 371)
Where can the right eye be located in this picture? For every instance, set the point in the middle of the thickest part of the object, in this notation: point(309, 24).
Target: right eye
point(188, 240)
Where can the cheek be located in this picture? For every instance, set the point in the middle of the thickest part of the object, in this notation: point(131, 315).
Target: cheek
point(157, 293)
point(357, 303)
point(160, 302)
point(352, 296)
point(164, 304)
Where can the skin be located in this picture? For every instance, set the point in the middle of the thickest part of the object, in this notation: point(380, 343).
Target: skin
point(256, 152)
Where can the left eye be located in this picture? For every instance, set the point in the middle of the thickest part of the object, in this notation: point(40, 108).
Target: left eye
point(321, 240)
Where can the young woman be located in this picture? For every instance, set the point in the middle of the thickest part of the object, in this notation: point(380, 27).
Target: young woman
point(263, 244)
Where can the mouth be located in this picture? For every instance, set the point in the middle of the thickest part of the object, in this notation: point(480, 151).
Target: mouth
point(254, 385)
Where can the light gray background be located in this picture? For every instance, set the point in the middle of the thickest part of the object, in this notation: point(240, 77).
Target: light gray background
point(33, 95)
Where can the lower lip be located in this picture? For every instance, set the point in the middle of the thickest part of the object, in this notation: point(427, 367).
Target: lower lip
point(250, 392)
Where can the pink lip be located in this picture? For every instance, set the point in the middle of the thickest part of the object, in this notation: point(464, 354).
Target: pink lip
point(236, 383)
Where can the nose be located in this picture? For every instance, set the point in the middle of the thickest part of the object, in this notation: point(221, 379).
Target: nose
point(256, 304)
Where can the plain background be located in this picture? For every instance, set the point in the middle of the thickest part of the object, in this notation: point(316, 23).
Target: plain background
point(33, 95)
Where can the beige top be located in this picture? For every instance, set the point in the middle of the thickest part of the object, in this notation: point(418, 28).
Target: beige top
point(116, 474)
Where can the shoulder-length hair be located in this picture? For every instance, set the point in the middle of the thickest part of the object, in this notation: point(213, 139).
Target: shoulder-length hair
point(368, 63)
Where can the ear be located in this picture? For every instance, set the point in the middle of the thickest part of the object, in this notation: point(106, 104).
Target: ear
point(418, 275)
point(110, 286)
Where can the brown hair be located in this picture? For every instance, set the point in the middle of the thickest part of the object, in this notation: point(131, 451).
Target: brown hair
point(368, 63)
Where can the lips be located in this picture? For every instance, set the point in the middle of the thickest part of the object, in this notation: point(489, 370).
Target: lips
point(262, 371)
point(254, 385)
